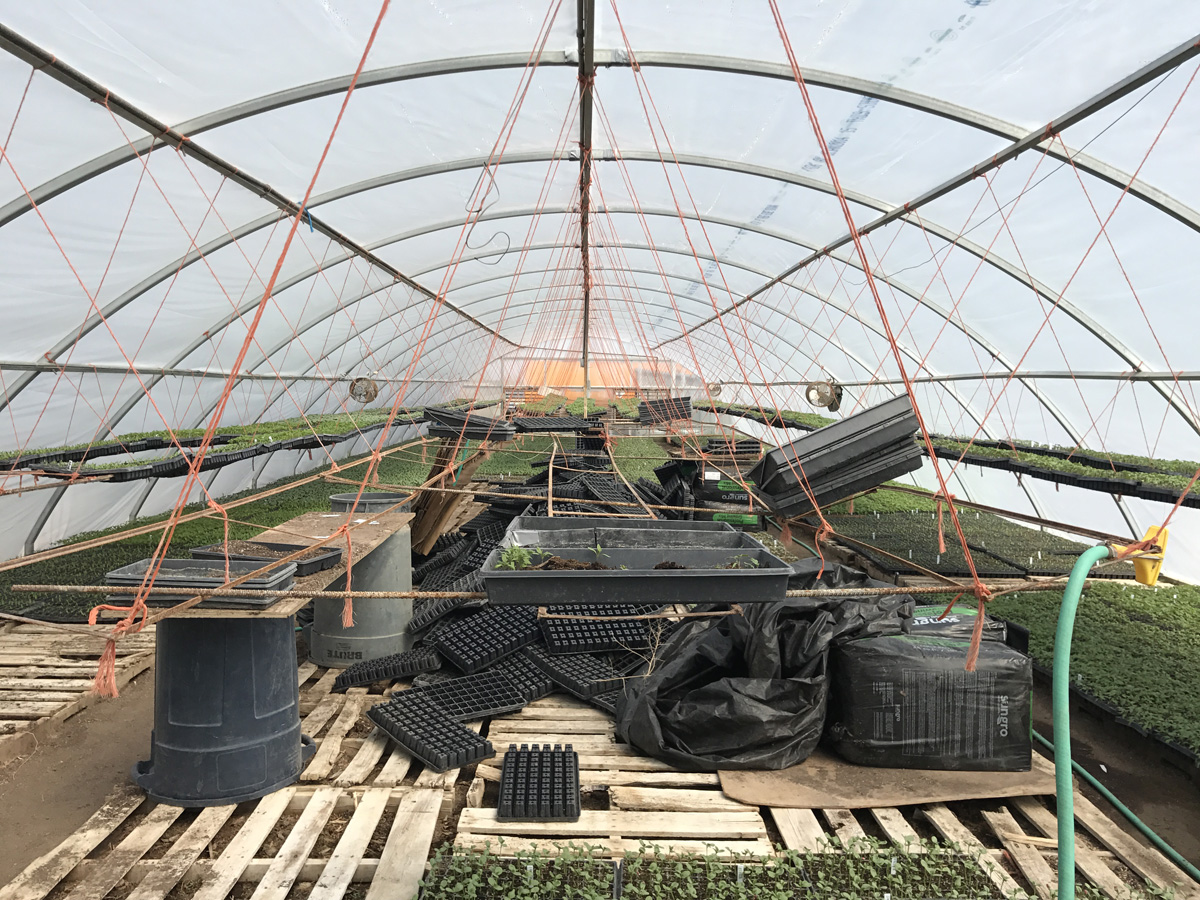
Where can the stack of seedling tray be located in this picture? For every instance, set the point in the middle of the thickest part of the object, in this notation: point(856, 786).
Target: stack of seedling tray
point(539, 784)
point(860, 452)
point(318, 560)
point(657, 412)
point(453, 424)
point(190, 574)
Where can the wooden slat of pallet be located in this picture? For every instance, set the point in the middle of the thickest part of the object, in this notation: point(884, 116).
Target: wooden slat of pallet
point(947, 825)
point(395, 770)
point(331, 745)
point(27, 709)
point(672, 800)
point(118, 861)
point(280, 877)
point(844, 825)
point(403, 858)
point(343, 863)
point(167, 871)
point(365, 759)
point(229, 866)
point(799, 829)
point(740, 824)
point(59, 697)
point(594, 778)
point(893, 824)
point(325, 710)
point(305, 671)
point(565, 727)
point(1150, 864)
point(71, 684)
point(1026, 857)
point(608, 846)
point(1094, 869)
point(40, 876)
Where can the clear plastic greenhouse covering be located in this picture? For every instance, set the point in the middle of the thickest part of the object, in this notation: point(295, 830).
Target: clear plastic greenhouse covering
point(1023, 176)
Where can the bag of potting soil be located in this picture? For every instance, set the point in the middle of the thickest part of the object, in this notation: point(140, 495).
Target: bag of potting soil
point(749, 692)
point(906, 701)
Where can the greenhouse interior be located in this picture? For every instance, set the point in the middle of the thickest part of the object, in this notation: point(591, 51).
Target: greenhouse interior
point(827, 350)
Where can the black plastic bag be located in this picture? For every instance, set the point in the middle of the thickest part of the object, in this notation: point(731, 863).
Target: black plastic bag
point(749, 692)
point(906, 701)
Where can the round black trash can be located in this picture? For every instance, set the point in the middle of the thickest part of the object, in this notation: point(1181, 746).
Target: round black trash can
point(226, 712)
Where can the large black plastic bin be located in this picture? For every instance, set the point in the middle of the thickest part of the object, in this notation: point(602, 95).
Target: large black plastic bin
point(304, 567)
point(226, 712)
point(633, 578)
point(206, 574)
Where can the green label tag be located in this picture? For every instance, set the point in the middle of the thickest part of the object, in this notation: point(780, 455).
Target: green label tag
point(736, 518)
point(726, 484)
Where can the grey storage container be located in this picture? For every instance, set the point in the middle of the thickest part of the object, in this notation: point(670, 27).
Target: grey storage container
point(226, 712)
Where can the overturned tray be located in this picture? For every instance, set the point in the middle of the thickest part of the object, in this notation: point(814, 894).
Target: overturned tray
point(327, 559)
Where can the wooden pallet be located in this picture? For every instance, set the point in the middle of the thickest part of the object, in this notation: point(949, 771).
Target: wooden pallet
point(46, 677)
point(1015, 839)
point(649, 801)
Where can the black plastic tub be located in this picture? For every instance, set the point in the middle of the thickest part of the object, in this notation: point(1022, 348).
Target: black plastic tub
point(633, 578)
point(369, 502)
point(188, 574)
point(310, 566)
point(226, 712)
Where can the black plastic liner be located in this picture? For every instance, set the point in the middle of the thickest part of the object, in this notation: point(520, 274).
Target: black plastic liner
point(750, 692)
point(906, 701)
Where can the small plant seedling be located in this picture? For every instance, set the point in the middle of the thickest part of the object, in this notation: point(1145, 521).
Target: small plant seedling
point(741, 561)
point(517, 558)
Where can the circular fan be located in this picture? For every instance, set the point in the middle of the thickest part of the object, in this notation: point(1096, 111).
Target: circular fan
point(364, 390)
point(825, 394)
point(715, 388)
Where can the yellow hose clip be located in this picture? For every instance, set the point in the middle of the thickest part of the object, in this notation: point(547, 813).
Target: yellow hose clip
point(1146, 568)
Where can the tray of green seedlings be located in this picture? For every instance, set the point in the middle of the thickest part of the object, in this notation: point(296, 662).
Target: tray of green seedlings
point(1133, 649)
point(1088, 471)
point(88, 567)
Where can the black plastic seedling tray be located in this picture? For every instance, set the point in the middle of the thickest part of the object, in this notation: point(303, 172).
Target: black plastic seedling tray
point(426, 732)
point(486, 637)
point(489, 693)
point(528, 531)
point(369, 503)
point(432, 610)
point(608, 701)
point(581, 674)
point(593, 636)
point(901, 460)
point(829, 449)
point(387, 668)
point(310, 566)
point(633, 578)
point(188, 574)
point(531, 681)
point(539, 784)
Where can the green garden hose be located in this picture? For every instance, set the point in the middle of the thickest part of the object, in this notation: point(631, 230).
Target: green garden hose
point(1061, 695)
point(1167, 850)
point(796, 540)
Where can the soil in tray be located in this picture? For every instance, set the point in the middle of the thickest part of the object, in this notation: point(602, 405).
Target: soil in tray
point(250, 548)
point(558, 563)
point(669, 564)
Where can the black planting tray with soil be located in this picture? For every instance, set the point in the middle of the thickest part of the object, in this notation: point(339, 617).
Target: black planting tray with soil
point(317, 559)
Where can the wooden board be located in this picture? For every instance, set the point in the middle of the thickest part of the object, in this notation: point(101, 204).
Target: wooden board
point(824, 781)
point(369, 532)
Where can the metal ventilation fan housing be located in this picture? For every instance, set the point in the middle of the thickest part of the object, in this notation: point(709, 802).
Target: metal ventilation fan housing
point(364, 390)
point(824, 394)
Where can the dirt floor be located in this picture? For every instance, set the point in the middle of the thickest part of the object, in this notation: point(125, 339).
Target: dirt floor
point(53, 791)
point(1158, 793)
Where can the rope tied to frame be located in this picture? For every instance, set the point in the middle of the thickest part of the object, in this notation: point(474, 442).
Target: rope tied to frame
point(348, 602)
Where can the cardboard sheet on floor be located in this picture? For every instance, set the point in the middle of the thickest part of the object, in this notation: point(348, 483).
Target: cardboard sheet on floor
point(824, 781)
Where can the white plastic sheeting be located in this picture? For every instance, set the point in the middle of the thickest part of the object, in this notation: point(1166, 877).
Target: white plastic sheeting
point(118, 250)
